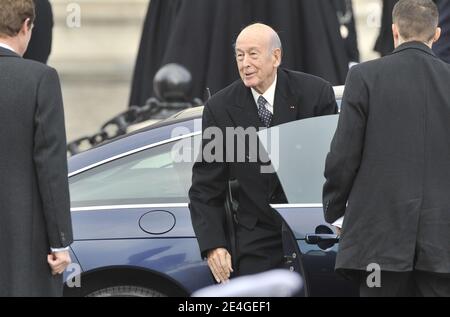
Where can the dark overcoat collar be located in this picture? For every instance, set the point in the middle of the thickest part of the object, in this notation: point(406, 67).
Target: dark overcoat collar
point(7, 53)
point(415, 46)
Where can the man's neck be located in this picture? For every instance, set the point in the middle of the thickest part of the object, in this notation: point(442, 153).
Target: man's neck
point(10, 44)
point(401, 41)
point(262, 90)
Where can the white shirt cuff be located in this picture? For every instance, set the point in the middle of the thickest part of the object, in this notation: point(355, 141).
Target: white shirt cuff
point(59, 249)
point(338, 223)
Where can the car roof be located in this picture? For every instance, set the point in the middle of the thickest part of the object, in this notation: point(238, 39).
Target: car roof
point(196, 112)
point(155, 132)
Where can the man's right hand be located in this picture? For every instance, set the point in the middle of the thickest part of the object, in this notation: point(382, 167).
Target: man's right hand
point(338, 230)
point(59, 261)
point(219, 262)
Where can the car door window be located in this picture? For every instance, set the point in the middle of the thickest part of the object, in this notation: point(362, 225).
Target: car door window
point(148, 177)
point(298, 152)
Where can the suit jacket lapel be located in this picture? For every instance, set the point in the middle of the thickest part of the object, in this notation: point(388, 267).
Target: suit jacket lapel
point(285, 105)
point(244, 111)
point(285, 110)
point(244, 114)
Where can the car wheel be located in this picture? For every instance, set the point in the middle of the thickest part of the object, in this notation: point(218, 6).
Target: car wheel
point(126, 291)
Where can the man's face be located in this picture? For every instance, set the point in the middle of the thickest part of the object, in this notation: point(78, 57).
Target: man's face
point(257, 63)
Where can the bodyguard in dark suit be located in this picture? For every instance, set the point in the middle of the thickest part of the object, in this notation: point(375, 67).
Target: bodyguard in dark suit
point(35, 223)
point(265, 96)
point(388, 170)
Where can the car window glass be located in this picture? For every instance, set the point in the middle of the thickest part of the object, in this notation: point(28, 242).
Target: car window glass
point(298, 151)
point(148, 177)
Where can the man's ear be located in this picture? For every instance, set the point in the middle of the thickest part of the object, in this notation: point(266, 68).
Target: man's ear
point(277, 54)
point(396, 35)
point(437, 35)
point(26, 27)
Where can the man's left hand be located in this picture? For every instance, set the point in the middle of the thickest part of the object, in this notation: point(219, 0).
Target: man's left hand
point(59, 261)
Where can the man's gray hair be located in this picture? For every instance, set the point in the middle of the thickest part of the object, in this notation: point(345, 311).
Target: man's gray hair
point(276, 43)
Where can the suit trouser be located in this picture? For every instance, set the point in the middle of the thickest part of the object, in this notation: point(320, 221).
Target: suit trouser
point(408, 284)
point(258, 249)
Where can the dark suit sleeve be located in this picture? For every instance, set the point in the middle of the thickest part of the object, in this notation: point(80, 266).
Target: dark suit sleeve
point(344, 159)
point(50, 159)
point(207, 197)
point(327, 102)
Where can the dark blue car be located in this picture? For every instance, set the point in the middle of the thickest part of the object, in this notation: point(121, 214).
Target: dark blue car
point(132, 228)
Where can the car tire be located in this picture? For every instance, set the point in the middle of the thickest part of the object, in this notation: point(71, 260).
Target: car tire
point(126, 291)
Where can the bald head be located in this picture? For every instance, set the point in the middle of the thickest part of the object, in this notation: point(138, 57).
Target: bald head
point(258, 56)
point(264, 33)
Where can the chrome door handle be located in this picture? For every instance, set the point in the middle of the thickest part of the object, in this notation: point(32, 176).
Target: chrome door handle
point(318, 238)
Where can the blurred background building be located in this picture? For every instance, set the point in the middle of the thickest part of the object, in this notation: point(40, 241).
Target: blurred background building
point(96, 60)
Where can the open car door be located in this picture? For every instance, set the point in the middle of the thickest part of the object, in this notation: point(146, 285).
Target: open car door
point(297, 151)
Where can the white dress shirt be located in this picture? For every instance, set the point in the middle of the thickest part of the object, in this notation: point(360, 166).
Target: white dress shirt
point(269, 95)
